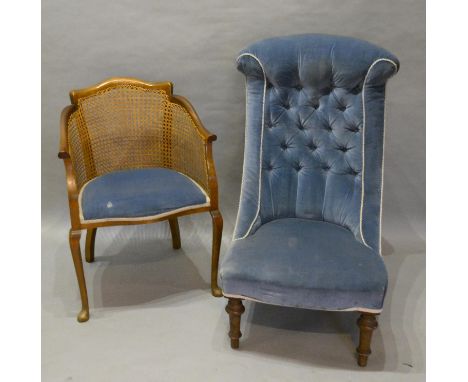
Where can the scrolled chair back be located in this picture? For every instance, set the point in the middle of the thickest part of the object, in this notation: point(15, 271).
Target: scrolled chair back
point(314, 132)
point(125, 124)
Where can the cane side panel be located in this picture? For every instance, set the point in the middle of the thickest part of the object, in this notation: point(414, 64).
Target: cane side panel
point(188, 147)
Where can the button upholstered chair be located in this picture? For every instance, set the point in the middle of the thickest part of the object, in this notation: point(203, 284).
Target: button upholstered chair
point(308, 231)
point(134, 153)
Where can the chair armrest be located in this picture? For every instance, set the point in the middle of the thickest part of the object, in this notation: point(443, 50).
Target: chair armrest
point(72, 185)
point(63, 144)
point(212, 178)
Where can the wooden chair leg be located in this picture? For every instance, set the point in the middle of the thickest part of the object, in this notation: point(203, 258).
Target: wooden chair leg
point(367, 322)
point(217, 220)
point(235, 309)
point(89, 247)
point(175, 232)
point(74, 239)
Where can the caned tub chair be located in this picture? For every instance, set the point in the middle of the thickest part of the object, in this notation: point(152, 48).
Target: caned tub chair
point(134, 153)
point(308, 231)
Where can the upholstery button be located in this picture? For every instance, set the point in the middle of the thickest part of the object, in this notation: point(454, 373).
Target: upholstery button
point(357, 89)
point(325, 167)
point(353, 129)
point(298, 167)
point(286, 106)
point(343, 148)
point(284, 145)
point(342, 107)
point(312, 146)
point(353, 172)
point(298, 87)
point(300, 126)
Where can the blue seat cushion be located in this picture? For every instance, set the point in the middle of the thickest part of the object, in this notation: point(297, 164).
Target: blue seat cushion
point(139, 193)
point(305, 263)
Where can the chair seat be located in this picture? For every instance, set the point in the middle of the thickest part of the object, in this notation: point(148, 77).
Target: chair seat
point(307, 264)
point(139, 193)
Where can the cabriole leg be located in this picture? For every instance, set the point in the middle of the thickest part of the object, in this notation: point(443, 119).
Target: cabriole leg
point(367, 322)
point(74, 239)
point(89, 248)
point(235, 309)
point(217, 220)
point(175, 232)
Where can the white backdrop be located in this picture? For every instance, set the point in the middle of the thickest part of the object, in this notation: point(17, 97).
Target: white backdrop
point(194, 44)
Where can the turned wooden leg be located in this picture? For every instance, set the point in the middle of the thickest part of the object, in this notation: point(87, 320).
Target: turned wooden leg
point(367, 323)
point(174, 224)
point(89, 247)
point(74, 239)
point(235, 309)
point(217, 220)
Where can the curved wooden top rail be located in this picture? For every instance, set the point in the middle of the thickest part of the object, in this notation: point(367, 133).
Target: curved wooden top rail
point(75, 95)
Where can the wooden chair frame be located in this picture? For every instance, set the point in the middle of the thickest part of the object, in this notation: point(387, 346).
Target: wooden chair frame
point(73, 192)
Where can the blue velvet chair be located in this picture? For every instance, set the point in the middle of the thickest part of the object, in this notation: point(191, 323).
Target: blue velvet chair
point(308, 231)
point(135, 153)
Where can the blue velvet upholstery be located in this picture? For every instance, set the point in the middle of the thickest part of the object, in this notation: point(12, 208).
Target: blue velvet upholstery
point(138, 193)
point(314, 137)
point(305, 263)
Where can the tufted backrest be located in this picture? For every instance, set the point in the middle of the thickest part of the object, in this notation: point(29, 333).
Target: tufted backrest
point(314, 132)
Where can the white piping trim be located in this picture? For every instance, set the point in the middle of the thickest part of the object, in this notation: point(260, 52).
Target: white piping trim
point(196, 184)
point(261, 152)
point(363, 144)
point(80, 195)
point(354, 308)
point(382, 179)
point(140, 218)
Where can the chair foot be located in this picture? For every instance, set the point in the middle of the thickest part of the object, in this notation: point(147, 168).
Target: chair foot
point(175, 233)
point(74, 239)
point(217, 220)
point(83, 316)
point(235, 309)
point(89, 248)
point(367, 322)
point(216, 291)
